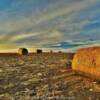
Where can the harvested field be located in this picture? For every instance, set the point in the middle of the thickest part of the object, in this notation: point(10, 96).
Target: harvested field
point(45, 76)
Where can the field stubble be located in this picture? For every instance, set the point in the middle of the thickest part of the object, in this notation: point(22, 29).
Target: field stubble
point(44, 77)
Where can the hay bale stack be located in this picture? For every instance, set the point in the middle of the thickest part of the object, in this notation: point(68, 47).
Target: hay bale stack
point(39, 51)
point(23, 51)
point(87, 62)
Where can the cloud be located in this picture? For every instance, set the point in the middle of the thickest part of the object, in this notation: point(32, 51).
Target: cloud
point(23, 22)
point(23, 36)
point(49, 23)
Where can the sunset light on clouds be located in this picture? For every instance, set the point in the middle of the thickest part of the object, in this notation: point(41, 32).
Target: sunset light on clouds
point(53, 24)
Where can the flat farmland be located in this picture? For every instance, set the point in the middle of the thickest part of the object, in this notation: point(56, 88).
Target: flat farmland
point(45, 76)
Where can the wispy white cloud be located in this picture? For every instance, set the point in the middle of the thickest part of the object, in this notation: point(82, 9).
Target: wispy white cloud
point(23, 36)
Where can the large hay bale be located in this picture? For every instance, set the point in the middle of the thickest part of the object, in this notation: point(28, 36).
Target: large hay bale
point(23, 51)
point(87, 62)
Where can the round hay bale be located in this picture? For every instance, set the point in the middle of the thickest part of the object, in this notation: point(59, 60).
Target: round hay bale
point(51, 51)
point(39, 51)
point(23, 51)
point(59, 51)
point(87, 62)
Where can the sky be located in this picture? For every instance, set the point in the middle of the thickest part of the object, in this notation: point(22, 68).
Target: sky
point(52, 24)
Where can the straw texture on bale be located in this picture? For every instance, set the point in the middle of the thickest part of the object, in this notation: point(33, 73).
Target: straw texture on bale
point(23, 51)
point(87, 62)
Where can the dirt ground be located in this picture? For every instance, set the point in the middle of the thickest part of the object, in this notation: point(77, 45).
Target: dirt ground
point(46, 76)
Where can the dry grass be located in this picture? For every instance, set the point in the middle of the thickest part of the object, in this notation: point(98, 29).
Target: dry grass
point(43, 75)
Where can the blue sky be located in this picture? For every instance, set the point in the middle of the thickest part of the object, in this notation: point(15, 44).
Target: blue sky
point(56, 24)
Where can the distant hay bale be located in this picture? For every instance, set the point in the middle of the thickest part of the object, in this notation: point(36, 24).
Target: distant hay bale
point(23, 51)
point(87, 62)
point(39, 51)
point(59, 51)
point(51, 51)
